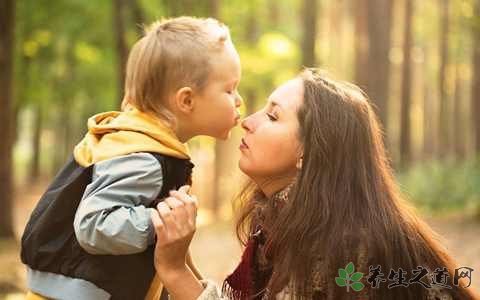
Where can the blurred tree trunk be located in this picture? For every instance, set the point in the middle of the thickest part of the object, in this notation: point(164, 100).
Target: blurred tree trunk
point(251, 37)
point(405, 122)
point(14, 121)
point(34, 168)
point(69, 134)
point(63, 135)
point(64, 117)
point(178, 8)
point(475, 99)
point(428, 126)
point(361, 43)
point(59, 122)
point(137, 16)
point(67, 121)
point(21, 95)
point(67, 114)
point(273, 13)
point(22, 92)
point(443, 125)
point(336, 19)
point(379, 25)
point(59, 140)
point(309, 32)
point(7, 25)
point(174, 7)
point(429, 131)
point(214, 8)
point(121, 47)
point(458, 115)
point(22, 87)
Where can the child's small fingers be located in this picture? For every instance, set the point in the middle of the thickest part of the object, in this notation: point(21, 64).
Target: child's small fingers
point(191, 207)
point(173, 203)
point(185, 189)
point(187, 211)
point(179, 212)
point(166, 215)
point(185, 198)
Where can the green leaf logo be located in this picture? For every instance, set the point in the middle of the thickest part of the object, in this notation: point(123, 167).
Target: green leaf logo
point(349, 278)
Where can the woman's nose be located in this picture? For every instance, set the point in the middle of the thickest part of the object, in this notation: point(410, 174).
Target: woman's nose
point(246, 124)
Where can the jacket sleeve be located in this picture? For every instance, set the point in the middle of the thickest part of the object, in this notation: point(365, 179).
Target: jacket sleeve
point(112, 217)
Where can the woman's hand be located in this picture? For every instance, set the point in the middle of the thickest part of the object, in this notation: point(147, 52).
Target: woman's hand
point(175, 224)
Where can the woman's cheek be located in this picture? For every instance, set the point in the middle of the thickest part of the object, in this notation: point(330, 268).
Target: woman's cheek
point(254, 161)
point(277, 156)
point(285, 154)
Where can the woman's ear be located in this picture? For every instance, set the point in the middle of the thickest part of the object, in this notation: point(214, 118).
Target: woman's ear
point(299, 163)
point(300, 152)
point(184, 99)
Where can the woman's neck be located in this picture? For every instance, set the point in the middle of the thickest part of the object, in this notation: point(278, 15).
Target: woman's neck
point(270, 186)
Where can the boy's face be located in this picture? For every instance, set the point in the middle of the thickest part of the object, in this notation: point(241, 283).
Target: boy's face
point(215, 112)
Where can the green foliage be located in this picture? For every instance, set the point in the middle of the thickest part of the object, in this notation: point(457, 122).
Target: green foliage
point(273, 60)
point(443, 187)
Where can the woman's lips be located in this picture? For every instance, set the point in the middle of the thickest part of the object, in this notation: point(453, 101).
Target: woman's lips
point(243, 145)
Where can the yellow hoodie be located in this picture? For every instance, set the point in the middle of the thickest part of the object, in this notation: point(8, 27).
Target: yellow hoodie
point(114, 133)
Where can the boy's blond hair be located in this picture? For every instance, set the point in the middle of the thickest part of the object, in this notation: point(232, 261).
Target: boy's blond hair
point(173, 53)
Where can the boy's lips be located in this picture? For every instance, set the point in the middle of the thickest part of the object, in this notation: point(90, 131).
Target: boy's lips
point(237, 120)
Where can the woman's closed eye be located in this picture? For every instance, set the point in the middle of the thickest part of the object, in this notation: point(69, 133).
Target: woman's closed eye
point(272, 117)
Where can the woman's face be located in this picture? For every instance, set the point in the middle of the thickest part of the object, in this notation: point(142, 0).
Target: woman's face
point(270, 148)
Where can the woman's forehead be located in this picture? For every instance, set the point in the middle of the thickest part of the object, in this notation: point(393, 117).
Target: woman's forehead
point(289, 95)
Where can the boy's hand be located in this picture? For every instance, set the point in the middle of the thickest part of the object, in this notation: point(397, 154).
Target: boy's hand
point(175, 225)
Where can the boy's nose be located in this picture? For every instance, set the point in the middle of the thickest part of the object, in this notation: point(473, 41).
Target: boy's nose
point(238, 101)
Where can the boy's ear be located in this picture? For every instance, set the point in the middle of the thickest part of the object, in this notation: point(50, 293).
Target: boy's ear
point(184, 99)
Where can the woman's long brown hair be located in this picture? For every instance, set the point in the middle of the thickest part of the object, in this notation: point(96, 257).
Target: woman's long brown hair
point(345, 199)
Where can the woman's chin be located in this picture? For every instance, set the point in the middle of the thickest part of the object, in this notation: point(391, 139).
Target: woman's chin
point(247, 167)
point(243, 164)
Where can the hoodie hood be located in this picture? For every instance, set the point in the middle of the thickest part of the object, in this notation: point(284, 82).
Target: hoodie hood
point(114, 133)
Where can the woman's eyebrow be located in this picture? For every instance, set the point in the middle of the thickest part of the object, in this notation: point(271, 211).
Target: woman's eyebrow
point(274, 103)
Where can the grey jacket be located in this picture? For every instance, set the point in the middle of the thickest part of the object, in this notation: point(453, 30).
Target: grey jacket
point(113, 218)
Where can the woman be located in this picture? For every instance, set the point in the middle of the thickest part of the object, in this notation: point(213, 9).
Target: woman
point(322, 195)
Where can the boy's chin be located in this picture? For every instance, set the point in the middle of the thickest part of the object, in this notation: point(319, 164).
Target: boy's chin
point(225, 136)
